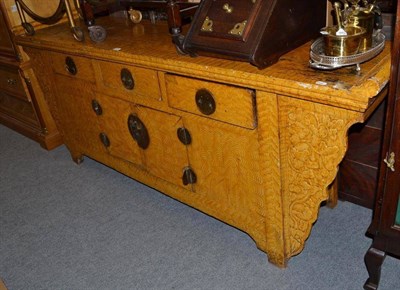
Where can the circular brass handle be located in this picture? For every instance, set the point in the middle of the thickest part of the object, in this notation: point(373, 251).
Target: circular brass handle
point(135, 15)
point(205, 102)
point(70, 66)
point(127, 79)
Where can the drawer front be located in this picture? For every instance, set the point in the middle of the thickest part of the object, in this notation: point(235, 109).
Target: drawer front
point(221, 102)
point(128, 82)
point(73, 66)
point(11, 82)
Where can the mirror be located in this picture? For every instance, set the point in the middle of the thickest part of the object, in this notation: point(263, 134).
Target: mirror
point(48, 16)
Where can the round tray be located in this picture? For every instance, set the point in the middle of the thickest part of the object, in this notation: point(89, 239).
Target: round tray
point(319, 60)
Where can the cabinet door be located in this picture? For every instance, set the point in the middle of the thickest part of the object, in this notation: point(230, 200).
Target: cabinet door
point(225, 159)
point(143, 136)
point(165, 156)
point(78, 120)
point(113, 117)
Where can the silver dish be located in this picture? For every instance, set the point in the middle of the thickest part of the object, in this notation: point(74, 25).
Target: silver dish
point(319, 60)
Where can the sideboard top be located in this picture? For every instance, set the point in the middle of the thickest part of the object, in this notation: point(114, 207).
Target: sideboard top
point(150, 45)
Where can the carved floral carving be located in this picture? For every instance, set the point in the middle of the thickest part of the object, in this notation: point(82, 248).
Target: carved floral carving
point(313, 142)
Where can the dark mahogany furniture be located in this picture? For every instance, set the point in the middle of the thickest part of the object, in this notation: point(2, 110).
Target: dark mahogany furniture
point(22, 106)
point(385, 226)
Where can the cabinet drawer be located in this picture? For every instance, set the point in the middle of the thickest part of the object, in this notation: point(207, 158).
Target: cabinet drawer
point(221, 102)
point(11, 82)
point(73, 66)
point(128, 82)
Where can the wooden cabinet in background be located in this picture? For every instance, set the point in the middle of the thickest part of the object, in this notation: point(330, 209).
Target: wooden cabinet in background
point(385, 226)
point(22, 106)
point(358, 172)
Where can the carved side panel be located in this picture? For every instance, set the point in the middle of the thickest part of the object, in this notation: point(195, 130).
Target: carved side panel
point(313, 142)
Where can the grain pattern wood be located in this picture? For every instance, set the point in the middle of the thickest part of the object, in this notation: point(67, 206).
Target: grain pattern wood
point(232, 104)
point(146, 84)
point(267, 177)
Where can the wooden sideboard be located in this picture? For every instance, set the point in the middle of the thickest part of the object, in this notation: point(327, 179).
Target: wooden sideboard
point(257, 149)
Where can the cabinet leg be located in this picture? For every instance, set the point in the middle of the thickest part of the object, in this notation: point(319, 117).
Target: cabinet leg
point(333, 194)
point(373, 260)
point(76, 157)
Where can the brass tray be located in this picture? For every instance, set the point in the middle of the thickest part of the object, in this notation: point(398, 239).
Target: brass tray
point(319, 60)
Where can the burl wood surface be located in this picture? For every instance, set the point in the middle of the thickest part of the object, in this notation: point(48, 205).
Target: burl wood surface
point(263, 162)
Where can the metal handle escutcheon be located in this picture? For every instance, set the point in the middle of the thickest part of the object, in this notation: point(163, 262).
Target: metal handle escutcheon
point(390, 160)
point(189, 177)
point(127, 79)
point(205, 102)
point(70, 66)
point(138, 131)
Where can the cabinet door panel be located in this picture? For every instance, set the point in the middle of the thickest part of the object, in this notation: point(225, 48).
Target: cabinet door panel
point(78, 121)
point(226, 161)
point(166, 156)
point(114, 123)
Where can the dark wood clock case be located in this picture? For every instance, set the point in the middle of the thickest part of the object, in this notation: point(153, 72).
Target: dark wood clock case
point(256, 31)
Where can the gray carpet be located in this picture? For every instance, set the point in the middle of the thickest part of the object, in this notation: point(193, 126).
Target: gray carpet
point(64, 226)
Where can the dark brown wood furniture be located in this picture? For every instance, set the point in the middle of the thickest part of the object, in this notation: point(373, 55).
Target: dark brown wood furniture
point(258, 32)
point(22, 106)
point(358, 172)
point(385, 226)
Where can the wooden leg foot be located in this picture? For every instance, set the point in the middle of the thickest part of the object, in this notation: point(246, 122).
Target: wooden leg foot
point(373, 260)
point(333, 194)
point(77, 157)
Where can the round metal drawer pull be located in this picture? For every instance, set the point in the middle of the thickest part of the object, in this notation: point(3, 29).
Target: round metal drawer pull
point(205, 102)
point(96, 107)
point(184, 136)
point(189, 177)
point(104, 139)
point(127, 79)
point(70, 66)
point(138, 131)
